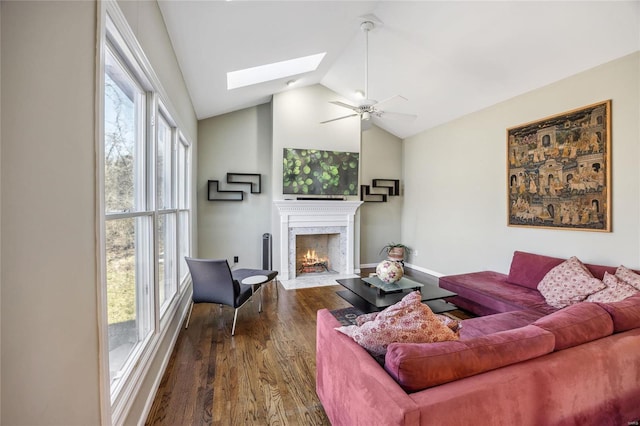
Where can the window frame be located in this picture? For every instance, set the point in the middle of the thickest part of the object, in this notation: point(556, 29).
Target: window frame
point(115, 36)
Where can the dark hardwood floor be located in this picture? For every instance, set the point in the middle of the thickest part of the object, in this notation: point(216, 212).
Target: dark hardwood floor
point(264, 375)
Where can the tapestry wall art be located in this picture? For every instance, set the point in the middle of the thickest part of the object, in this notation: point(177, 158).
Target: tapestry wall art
point(559, 171)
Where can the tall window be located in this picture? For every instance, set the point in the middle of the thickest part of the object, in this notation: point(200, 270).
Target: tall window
point(127, 216)
point(147, 212)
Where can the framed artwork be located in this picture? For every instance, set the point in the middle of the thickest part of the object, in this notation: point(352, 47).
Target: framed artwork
point(559, 171)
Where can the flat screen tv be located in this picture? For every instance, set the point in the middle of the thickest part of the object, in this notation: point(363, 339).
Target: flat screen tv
point(317, 172)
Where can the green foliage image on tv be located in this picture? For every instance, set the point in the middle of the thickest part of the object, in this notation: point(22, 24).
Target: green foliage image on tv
point(317, 172)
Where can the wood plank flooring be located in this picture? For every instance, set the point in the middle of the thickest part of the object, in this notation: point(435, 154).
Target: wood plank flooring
point(264, 375)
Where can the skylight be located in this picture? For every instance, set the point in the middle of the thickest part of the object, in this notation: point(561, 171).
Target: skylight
point(269, 72)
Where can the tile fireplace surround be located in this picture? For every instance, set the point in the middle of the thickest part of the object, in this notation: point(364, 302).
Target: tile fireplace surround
point(307, 217)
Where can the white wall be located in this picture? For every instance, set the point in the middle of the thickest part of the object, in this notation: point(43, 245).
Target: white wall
point(380, 222)
point(0, 214)
point(49, 311)
point(238, 142)
point(455, 210)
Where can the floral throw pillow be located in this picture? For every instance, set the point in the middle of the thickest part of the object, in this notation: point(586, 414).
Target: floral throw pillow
point(628, 276)
point(615, 291)
point(408, 321)
point(453, 324)
point(568, 283)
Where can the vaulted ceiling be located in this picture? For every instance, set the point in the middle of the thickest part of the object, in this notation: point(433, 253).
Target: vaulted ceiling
point(448, 58)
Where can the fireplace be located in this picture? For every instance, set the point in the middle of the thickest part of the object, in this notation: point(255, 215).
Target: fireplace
point(317, 254)
point(313, 225)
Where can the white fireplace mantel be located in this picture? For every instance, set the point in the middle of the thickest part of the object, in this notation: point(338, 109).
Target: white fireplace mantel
point(315, 214)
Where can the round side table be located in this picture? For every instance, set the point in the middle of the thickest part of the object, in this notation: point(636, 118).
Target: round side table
point(254, 280)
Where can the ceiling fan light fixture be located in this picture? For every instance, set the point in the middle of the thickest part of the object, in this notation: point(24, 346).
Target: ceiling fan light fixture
point(368, 109)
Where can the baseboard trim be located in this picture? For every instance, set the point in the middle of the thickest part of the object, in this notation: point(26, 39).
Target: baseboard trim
point(425, 270)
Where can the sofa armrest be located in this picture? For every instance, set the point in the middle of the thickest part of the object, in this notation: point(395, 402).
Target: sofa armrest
point(353, 388)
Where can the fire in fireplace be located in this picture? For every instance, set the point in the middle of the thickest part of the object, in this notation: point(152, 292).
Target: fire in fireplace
point(311, 263)
point(314, 253)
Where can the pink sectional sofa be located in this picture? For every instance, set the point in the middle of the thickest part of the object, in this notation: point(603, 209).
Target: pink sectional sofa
point(489, 292)
point(526, 365)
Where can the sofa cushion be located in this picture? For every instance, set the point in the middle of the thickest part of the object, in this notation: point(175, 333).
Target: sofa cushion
point(422, 365)
point(407, 321)
point(568, 283)
point(491, 289)
point(577, 324)
point(528, 269)
point(625, 314)
point(615, 290)
point(481, 326)
point(628, 276)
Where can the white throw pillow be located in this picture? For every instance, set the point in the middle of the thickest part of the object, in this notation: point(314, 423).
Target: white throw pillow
point(628, 276)
point(615, 291)
point(568, 283)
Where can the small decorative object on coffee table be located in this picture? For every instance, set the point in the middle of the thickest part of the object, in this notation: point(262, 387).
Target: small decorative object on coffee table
point(389, 271)
point(396, 251)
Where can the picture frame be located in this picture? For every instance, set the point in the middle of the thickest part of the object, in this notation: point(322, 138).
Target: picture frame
point(559, 171)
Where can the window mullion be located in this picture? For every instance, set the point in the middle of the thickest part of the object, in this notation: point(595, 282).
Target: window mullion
point(152, 205)
point(174, 204)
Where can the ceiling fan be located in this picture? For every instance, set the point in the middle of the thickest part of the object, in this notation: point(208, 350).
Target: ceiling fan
point(369, 108)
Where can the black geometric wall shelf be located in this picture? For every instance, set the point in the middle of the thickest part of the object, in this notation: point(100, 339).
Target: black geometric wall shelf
point(214, 193)
point(368, 197)
point(254, 180)
point(392, 186)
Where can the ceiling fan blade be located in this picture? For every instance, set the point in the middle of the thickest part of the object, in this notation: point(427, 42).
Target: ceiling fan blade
point(343, 105)
point(391, 99)
point(397, 116)
point(339, 118)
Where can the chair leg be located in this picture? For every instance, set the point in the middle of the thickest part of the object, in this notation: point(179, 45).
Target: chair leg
point(189, 316)
point(235, 317)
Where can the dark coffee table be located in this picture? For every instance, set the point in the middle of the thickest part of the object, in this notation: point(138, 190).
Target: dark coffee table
point(368, 299)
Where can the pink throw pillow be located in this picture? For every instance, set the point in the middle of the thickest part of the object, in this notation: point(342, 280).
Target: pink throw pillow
point(628, 276)
point(408, 321)
point(615, 291)
point(568, 283)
